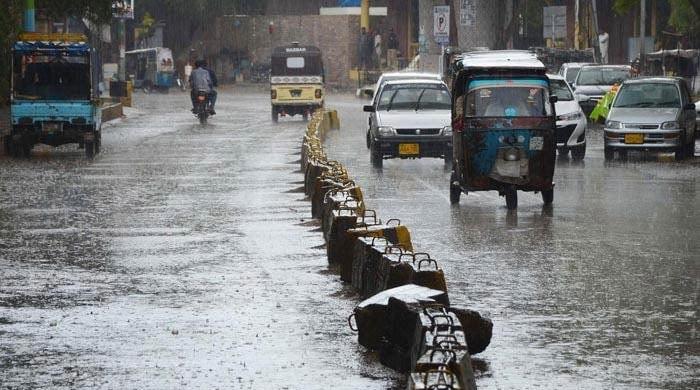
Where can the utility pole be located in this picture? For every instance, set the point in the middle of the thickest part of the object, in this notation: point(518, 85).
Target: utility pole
point(29, 16)
point(642, 35)
point(364, 14)
point(596, 43)
point(121, 33)
point(577, 26)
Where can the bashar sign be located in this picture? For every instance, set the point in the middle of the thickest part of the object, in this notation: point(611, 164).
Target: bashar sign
point(123, 9)
point(441, 27)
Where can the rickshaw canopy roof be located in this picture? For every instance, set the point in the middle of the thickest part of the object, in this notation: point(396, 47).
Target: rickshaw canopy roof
point(52, 48)
point(501, 59)
point(687, 53)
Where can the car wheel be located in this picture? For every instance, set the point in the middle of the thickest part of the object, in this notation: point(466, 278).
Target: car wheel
point(375, 156)
point(90, 149)
point(368, 140)
point(548, 196)
point(609, 153)
point(579, 152)
point(680, 153)
point(511, 199)
point(563, 151)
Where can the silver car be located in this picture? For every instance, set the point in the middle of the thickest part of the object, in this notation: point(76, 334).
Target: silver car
point(594, 81)
point(653, 113)
point(410, 119)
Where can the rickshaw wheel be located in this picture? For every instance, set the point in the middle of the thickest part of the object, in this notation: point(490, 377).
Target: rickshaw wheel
point(548, 196)
point(275, 115)
point(455, 193)
point(511, 199)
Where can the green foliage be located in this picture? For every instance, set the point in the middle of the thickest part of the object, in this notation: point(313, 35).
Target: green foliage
point(622, 7)
point(684, 17)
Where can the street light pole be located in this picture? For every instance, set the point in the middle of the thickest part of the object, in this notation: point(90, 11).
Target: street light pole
point(642, 34)
point(29, 16)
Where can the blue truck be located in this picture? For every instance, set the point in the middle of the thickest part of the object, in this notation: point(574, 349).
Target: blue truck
point(55, 94)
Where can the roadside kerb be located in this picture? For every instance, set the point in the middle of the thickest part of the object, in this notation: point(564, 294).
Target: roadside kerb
point(405, 290)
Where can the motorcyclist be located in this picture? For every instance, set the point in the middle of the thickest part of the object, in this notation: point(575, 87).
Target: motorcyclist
point(215, 84)
point(200, 81)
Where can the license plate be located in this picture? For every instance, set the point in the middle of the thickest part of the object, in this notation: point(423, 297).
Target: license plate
point(634, 138)
point(49, 127)
point(295, 92)
point(536, 143)
point(409, 149)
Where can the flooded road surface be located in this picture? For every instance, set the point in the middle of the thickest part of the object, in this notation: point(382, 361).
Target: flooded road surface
point(183, 256)
point(598, 292)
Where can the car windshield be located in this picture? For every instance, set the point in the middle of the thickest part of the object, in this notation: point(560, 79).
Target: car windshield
point(508, 98)
point(561, 90)
point(602, 76)
point(571, 73)
point(651, 95)
point(414, 97)
point(51, 77)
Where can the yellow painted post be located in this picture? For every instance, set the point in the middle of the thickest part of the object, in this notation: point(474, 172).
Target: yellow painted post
point(364, 14)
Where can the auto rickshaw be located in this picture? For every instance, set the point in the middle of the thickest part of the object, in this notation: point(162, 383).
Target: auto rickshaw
point(296, 81)
point(503, 123)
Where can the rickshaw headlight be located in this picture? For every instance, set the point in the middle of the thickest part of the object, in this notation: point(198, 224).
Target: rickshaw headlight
point(273, 94)
point(447, 130)
point(613, 125)
point(319, 94)
point(386, 131)
point(511, 155)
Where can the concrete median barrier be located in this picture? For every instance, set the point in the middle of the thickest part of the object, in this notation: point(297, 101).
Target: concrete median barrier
point(406, 315)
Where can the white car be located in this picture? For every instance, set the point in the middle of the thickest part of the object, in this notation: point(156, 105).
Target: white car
point(394, 76)
point(410, 119)
point(571, 121)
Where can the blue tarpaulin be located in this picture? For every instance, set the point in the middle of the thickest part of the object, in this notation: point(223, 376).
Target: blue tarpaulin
point(52, 48)
point(349, 3)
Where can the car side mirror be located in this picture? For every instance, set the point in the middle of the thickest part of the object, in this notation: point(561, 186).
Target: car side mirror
point(690, 106)
point(368, 109)
point(573, 87)
point(582, 98)
point(553, 99)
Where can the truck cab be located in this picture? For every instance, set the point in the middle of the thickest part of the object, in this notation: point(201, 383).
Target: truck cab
point(54, 99)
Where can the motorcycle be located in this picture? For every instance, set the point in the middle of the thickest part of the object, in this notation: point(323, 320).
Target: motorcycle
point(201, 107)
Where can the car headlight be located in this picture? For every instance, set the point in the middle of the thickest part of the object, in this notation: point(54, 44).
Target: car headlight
point(670, 125)
point(385, 131)
point(447, 130)
point(571, 116)
point(613, 125)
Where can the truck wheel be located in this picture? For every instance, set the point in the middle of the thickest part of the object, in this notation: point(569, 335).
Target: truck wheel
point(90, 149)
point(511, 199)
point(98, 142)
point(579, 152)
point(26, 148)
point(548, 196)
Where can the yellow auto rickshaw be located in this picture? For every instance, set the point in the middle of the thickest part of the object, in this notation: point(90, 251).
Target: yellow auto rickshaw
point(296, 81)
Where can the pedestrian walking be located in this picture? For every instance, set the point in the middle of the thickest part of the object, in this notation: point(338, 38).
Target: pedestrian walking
point(378, 49)
point(392, 52)
point(362, 48)
point(603, 42)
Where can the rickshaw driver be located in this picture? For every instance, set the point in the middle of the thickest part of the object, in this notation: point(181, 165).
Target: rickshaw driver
point(507, 102)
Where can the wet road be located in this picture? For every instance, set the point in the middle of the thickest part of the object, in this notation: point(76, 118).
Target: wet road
point(599, 292)
point(183, 256)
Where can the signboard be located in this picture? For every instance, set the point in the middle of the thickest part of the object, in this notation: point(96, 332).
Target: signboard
point(467, 13)
point(123, 9)
point(554, 22)
point(441, 26)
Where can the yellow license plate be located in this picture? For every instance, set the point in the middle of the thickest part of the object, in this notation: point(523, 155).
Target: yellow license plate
point(408, 149)
point(634, 138)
